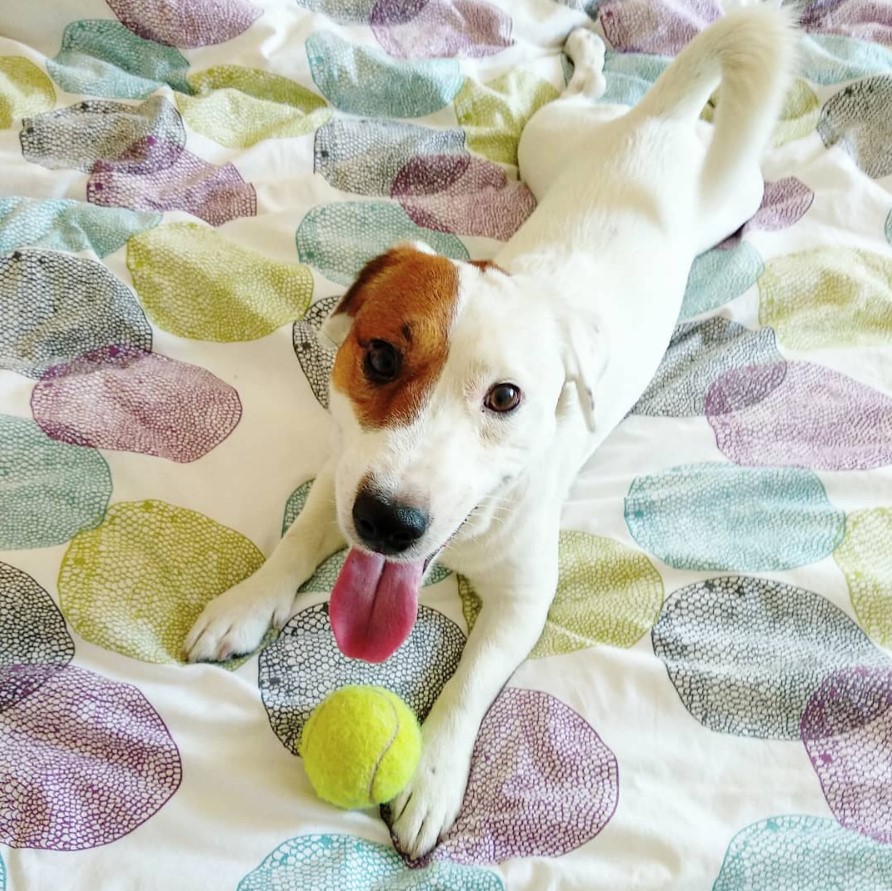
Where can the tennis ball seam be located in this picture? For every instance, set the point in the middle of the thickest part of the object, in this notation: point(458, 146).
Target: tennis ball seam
point(303, 740)
point(393, 735)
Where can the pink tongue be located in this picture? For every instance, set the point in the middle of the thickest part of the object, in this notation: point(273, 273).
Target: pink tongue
point(373, 605)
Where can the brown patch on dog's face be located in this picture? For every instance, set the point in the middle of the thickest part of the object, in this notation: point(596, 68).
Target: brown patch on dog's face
point(405, 299)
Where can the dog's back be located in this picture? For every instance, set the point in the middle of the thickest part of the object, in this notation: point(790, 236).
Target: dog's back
point(629, 197)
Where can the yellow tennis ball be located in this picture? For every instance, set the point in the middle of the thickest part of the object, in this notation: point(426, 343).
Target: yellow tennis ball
point(360, 746)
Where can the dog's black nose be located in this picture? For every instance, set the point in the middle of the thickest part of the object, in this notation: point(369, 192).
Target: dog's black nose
point(387, 527)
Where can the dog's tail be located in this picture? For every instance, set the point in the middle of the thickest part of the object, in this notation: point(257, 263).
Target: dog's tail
point(751, 52)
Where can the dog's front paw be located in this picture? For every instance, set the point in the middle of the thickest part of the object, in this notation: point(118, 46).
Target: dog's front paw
point(426, 809)
point(236, 621)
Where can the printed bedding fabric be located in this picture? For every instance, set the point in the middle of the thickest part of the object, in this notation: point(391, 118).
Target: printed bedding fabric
point(188, 186)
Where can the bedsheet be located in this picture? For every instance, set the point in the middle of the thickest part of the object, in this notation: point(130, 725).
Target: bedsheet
point(187, 187)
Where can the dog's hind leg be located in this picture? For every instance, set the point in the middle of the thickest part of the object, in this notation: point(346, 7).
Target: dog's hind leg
point(751, 53)
point(558, 131)
point(586, 51)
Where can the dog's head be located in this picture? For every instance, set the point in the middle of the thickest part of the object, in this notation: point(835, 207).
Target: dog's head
point(446, 387)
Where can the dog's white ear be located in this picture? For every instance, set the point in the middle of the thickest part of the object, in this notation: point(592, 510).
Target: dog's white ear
point(585, 357)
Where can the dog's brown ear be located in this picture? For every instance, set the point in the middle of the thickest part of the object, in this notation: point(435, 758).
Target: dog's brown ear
point(484, 265)
point(336, 327)
point(585, 357)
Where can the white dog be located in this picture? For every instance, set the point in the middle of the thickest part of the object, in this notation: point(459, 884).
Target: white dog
point(466, 396)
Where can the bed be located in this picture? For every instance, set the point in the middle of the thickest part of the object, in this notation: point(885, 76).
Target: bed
point(187, 188)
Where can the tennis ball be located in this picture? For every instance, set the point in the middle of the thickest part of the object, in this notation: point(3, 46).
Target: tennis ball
point(360, 746)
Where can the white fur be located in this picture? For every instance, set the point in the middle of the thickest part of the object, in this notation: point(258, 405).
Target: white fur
point(596, 276)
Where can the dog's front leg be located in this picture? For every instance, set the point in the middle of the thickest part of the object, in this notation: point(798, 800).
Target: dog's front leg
point(236, 621)
point(509, 624)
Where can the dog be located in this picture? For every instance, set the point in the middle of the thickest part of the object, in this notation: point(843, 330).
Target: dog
point(466, 396)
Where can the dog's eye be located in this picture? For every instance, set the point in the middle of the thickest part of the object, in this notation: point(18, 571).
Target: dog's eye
point(382, 362)
point(502, 398)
